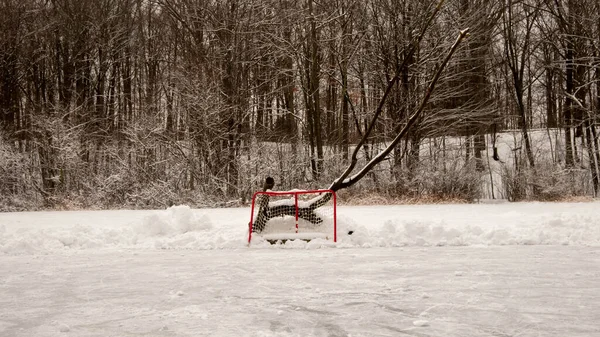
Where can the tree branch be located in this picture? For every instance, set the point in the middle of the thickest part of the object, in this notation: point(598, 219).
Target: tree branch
point(343, 181)
point(388, 90)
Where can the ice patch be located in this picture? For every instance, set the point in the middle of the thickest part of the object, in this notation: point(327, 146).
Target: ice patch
point(421, 323)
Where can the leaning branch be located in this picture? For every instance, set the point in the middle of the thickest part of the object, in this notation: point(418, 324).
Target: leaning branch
point(343, 181)
point(391, 83)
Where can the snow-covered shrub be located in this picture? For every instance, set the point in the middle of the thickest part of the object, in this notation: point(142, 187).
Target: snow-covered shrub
point(16, 187)
point(11, 169)
point(514, 184)
point(554, 183)
point(454, 181)
point(545, 182)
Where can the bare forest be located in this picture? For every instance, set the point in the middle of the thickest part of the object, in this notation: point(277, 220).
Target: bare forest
point(148, 103)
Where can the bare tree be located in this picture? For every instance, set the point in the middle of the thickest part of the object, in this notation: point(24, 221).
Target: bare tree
point(517, 26)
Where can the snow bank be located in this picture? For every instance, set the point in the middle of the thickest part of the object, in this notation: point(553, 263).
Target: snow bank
point(558, 230)
point(175, 220)
point(180, 227)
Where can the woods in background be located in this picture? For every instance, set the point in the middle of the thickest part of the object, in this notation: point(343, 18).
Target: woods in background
point(143, 103)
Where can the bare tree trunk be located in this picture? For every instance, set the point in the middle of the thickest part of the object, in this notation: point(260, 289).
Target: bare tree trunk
point(345, 127)
point(592, 155)
point(314, 108)
point(594, 119)
point(517, 56)
point(479, 145)
point(551, 118)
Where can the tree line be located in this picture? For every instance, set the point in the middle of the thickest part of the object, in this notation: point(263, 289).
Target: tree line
point(107, 103)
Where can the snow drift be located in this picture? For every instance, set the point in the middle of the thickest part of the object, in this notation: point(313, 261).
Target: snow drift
point(181, 227)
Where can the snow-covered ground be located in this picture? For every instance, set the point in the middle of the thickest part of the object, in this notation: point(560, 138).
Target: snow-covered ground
point(523, 269)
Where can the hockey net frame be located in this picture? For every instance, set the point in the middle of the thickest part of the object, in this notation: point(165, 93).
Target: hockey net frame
point(264, 205)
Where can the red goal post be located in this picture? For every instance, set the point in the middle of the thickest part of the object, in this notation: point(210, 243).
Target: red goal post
point(297, 214)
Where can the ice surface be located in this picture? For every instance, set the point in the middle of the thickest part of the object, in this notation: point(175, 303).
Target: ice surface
point(525, 269)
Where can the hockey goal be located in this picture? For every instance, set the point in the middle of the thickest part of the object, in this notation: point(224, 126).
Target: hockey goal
point(290, 215)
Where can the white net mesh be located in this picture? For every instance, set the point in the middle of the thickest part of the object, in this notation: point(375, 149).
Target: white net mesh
point(274, 213)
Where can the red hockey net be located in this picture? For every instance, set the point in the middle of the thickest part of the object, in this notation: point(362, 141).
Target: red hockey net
point(293, 215)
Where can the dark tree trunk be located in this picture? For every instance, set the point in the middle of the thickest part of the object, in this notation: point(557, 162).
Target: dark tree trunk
point(592, 155)
point(551, 118)
point(568, 108)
